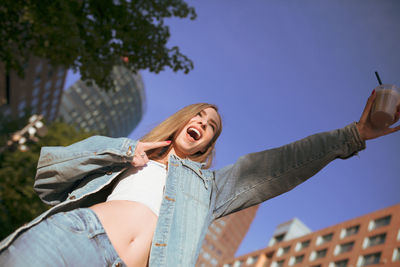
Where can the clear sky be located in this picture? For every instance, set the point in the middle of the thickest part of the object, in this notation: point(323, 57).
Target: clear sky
point(280, 70)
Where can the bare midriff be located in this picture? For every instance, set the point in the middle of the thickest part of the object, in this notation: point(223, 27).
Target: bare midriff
point(130, 227)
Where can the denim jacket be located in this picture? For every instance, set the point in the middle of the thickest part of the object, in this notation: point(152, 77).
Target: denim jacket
point(83, 174)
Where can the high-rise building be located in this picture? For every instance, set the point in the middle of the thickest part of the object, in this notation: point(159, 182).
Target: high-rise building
point(113, 113)
point(38, 92)
point(369, 240)
point(224, 237)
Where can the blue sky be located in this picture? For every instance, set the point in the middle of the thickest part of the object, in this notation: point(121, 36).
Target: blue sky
point(280, 70)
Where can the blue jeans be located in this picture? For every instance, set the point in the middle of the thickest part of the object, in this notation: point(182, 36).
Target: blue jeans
point(74, 238)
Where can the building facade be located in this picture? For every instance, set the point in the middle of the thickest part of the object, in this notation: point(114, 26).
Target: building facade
point(369, 240)
point(112, 113)
point(39, 92)
point(224, 237)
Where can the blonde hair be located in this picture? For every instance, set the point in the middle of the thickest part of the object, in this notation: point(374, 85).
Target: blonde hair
point(170, 128)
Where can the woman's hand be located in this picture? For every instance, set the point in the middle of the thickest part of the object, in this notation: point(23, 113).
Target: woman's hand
point(140, 158)
point(364, 126)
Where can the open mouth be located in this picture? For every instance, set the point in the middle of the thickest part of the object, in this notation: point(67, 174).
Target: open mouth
point(194, 133)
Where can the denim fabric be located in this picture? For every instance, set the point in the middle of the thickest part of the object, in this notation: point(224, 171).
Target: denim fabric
point(81, 175)
point(74, 238)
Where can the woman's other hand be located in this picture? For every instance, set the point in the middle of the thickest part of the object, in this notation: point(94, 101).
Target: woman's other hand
point(365, 127)
point(140, 158)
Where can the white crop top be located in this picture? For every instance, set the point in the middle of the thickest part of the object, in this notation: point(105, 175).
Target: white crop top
point(144, 185)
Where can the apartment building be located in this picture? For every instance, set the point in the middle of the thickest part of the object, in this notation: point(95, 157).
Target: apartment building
point(369, 240)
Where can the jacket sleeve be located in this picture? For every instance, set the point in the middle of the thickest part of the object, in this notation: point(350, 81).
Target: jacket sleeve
point(257, 177)
point(59, 168)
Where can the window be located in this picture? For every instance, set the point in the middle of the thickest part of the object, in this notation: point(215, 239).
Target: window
point(21, 106)
point(44, 112)
point(370, 259)
point(321, 253)
point(318, 254)
point(251, 260)
point(206, 256)
point(296, 260)
point(60, 72)
point(341, 263)
point(45, 104)
point(46, 95)
point(47, 86)
point(36, 91)
point(214, 262)
point(396, 254)
point(346, 247)
point(237, 264)
point(324, 239)
point(279, 238)
point(278, 263)
point(37, 80)
point(302, 245)
point(34, 101)
point(379, 223)
point(350, 231)
point(374, 240)
point(39, 67)
point(283, 251)
point(58, 83)
point(53, 111)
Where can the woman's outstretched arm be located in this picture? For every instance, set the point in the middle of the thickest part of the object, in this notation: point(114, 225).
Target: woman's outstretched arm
point(259, 176)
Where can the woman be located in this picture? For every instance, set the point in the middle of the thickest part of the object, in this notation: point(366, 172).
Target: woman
point(102, 217)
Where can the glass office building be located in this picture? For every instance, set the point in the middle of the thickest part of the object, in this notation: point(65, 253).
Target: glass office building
point(112, 113)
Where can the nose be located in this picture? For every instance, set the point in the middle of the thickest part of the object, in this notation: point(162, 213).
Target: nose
point(203, 123)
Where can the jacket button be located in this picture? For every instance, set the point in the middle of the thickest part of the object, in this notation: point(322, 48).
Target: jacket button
point(109, 172)
point(118, 264)
point(72, 197)
point(129, 152)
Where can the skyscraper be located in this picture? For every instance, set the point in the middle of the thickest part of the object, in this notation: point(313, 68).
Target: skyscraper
point(113, 113)
point(369, 240)
point(224, 237)
point(38, 92)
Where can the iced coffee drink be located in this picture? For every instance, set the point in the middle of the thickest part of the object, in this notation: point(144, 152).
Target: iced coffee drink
point(385, 106)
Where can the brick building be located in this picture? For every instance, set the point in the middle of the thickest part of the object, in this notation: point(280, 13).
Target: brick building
point(369, 240)
point(224, 237)
point(39, 92)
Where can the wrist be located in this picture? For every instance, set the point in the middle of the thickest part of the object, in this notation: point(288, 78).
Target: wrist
point(360, 130)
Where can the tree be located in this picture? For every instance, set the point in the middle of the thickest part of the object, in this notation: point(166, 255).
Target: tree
point(18, 201)
point(92, 36)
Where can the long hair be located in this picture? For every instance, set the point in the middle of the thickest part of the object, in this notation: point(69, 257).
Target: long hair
point(170, 128)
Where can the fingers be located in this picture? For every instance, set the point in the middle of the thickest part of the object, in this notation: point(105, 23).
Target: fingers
point(368, 106)
point(392, 130)
point(140, 157)
point(153, 145)
point(396, 117)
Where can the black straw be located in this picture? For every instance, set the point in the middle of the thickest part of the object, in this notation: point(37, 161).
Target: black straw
point(379, 79)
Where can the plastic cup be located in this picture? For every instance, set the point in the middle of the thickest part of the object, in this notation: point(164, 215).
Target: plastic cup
point(385, 106)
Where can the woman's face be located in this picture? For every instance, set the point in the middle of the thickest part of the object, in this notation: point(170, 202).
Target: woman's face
point(197, 133)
